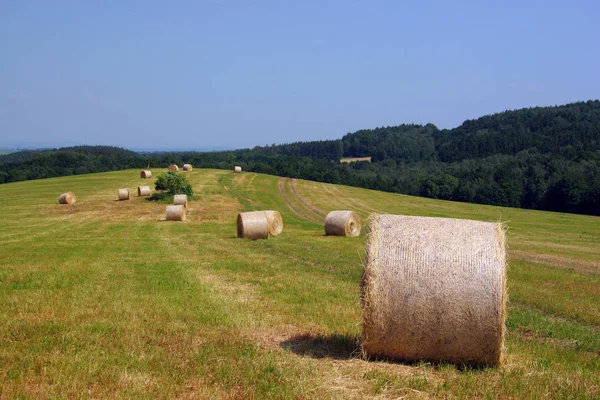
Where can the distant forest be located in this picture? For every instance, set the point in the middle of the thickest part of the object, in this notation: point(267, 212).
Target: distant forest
point(545, 158)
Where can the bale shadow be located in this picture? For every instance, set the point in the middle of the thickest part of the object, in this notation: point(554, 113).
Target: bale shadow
point(336, 346)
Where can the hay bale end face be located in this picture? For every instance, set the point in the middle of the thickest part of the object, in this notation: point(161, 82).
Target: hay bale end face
point(342, 223)
point(274, 221)
point(237, 169)
point(187, 167)
point(434, 289)
point(175, 213)
point(145, 174)
point(173, 168)
point(67, 198)
point(143, 191)
point(180, 200)
point(123, 194)
point(253, 225)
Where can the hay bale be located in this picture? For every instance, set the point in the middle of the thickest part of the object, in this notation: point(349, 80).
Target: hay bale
point(237, 169)
point(180, 200)
point(187, 167)
point(175, 213)
point(274, 221)
point(253, 225)
point(173, 168)
point(145, 174)
point(342, 223)
point(123, 194)
point(143, 191)
point(434, 289)
point(67, 198)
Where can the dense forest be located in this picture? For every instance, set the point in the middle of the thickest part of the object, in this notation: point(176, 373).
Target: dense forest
point(541, 158)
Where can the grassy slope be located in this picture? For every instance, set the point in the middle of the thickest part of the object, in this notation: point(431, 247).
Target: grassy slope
point(103, 298)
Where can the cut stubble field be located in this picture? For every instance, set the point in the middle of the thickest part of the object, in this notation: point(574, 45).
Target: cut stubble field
point(107, 299)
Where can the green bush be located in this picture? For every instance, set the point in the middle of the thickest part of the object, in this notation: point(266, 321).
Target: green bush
point(173, 183)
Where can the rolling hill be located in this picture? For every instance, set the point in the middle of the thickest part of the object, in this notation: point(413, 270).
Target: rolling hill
point(106, 299)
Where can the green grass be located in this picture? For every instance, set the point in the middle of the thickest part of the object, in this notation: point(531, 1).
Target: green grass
point(106, 299)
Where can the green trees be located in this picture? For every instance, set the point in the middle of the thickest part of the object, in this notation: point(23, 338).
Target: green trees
point(173, 183)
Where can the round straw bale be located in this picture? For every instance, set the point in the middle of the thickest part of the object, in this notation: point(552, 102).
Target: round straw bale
point(434, 289)
point(237, 169)
point(342, 223)
point(180, 200)
point(175, 213)
point(173, 167)
point(253, 225)
point(146, 174)
point(123, 194)
point(187, 167)
point(275, 222)
point(143, 191)
point(67, 198)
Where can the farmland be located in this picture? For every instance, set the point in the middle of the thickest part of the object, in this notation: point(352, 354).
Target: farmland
point(106, 299)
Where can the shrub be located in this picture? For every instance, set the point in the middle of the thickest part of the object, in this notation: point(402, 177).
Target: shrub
point(173, 183)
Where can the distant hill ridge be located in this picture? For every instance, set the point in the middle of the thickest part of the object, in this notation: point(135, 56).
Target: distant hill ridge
point(542, 158)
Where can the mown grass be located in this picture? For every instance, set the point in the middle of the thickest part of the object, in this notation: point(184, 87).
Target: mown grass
point(106, 299)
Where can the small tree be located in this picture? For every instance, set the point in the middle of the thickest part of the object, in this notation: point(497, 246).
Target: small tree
point(173, 183)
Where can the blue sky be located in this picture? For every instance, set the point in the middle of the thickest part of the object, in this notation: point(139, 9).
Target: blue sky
point(240, 73)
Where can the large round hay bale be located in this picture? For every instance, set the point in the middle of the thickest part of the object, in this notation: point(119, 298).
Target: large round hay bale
point(237, 169)
point(175, 213)
point(67, 198)
point(146, 174)
point(342, 223)
point(180, 200)
point(123, 194)
point(173, 168)
point(187, 167)
point(253, 225)
point(143, 191)
point(275, 222)
point(434, 289)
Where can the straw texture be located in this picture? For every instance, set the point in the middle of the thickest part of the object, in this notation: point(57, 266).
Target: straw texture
point(143, 191)
point(173, 167)
point(146, 174)
point(342, 223)
point(237, 169)
point(187, 167)
point(175, 213)
point(434, 289)
point(275, 222)
point(67, 198)
point(180, 200)
point(253, 225)
point(123, 194)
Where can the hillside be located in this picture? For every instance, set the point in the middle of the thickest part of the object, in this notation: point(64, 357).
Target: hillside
point(105, 299)
point(545, 158)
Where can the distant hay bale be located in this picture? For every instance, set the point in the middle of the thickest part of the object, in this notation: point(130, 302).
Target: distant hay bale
point(146, 174)
point(342, 223)
point(253, 225)
point(180, 200)
point(237, 169)
point(274, 221)
point(187, 167)
point(434, 289)
point(175, 213)
point(123, 194)
point(173, 168)
point(67, 198)
point(143, 191)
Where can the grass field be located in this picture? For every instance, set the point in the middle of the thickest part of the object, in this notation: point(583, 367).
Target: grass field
point(106, 299)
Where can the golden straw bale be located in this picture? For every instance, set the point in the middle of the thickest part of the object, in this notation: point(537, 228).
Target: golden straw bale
point(67, 198)
point(143, 191)
point(180, 200)
point(173, 168)
point(434, 289)
point(274, 221)
point(342, 223)
point(187, 167)
point(146, 174)
point(237, 169)
point(253, 225)
point(123, 194)
point(175, 213)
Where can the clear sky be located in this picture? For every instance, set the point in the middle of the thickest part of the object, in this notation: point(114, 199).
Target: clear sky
point(240, 73)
